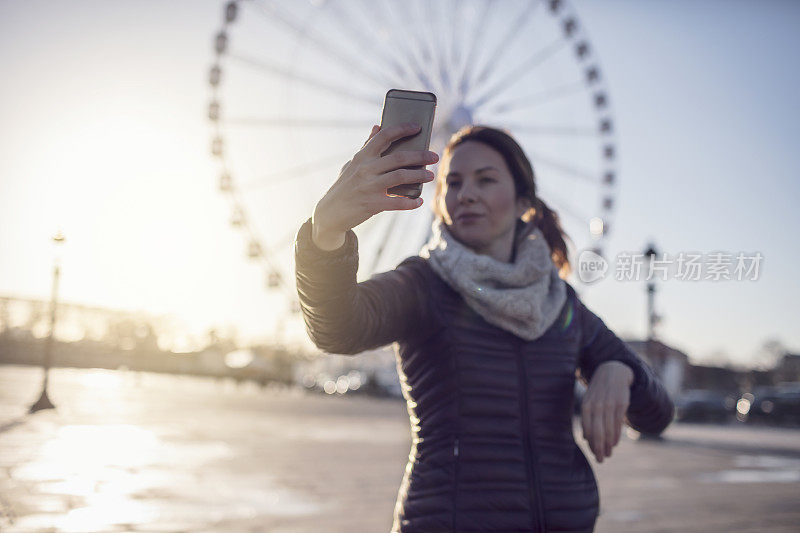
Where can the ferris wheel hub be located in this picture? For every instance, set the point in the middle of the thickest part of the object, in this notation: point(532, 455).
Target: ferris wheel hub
point(460, 116)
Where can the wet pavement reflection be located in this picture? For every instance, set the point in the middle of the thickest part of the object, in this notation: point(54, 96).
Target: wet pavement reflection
point(126, 451)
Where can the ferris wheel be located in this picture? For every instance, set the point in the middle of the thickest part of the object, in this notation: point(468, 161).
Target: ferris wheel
point(296, 86)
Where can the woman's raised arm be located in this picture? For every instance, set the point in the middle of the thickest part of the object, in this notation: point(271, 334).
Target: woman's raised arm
point(342, 316)
point(345, 317)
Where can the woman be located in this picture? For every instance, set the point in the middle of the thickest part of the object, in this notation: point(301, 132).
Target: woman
point(489, 338)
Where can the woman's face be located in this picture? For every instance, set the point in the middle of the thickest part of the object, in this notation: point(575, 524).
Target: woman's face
point(480, 202)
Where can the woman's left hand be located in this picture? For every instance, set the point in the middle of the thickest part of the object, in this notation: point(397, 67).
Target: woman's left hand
point(604, 406)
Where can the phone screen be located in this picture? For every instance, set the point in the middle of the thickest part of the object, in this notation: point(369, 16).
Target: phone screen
point(401, 106)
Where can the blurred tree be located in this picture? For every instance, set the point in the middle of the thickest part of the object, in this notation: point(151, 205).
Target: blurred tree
point(719, 358)
point(224, 342)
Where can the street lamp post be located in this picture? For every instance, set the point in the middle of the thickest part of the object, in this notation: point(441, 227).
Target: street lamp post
point(652, 318)
point(44, 401)
point(651, 252)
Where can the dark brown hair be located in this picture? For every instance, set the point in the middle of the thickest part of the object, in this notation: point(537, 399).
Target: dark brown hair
point(524, 183)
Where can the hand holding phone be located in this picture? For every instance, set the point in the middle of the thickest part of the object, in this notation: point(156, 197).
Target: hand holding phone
point(360, 190)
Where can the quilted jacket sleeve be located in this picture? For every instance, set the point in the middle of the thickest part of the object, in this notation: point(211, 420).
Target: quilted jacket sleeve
point(346, 317)
point(651, 410)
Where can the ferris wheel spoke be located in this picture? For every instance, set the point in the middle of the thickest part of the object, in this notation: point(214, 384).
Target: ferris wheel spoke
point(455, 51)
point(564, 168)
point(270, 11)
point(515, 75)
point(286, 241)
point(569, 131)
point(384, 239)
point(560, 205)
point(296, 173)
point(387, 26)
point(508, 37)
point(443, 66)
point(510, 106)
point(285, 122)
point(406, 55)
point(346, 21)
point(370, 227)
point(426, 12)
point(419, 55)
point(266, 255)
point(283, 72)
point(481, 22)
point(457, 47)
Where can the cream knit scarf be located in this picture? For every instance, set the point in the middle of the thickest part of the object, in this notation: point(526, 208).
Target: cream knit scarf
point(524, 297)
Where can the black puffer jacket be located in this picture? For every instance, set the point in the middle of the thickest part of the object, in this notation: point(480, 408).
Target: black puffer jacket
point(491, 413)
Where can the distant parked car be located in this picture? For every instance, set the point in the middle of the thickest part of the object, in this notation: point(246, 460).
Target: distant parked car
point(700, 405)
point(779, 405)
point(354, 382)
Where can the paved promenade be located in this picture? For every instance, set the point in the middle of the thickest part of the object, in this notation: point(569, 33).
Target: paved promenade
point(148, 453)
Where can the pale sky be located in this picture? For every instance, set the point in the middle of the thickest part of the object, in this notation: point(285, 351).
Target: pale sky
point(104, 129)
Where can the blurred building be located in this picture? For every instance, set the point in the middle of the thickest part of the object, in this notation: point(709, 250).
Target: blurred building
point(788, 368)
point(668, 363)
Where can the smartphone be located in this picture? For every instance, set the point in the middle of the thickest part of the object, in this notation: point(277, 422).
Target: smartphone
point(401, 106)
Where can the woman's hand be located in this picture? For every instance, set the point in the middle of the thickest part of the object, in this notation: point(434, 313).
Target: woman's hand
point(360, 191)
point(604, 406)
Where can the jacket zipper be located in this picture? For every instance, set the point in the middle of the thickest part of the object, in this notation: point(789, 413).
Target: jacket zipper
point(533, 484)
point(455, 485)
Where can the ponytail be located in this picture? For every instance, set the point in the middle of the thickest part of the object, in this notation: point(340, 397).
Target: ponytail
point(549, 223)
